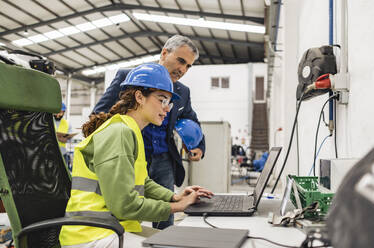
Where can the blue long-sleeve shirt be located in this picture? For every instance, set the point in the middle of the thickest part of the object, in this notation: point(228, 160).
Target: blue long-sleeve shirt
point(155, 138)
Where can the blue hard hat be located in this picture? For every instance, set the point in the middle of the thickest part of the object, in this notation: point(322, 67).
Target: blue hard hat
point(190, 132)
point(150, 76)
point(63, 108)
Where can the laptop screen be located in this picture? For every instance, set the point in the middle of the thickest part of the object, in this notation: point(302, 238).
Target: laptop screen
point(265, 174)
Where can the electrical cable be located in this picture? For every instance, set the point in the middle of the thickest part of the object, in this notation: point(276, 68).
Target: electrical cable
point(335, 127)
point(289, 144)
point(319, 149)
point(205, 216)
point(316, 137)
point(272, 242)
point(323, 119)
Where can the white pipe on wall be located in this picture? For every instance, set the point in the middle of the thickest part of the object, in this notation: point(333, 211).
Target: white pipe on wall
point(68, 97)
point(343, 37)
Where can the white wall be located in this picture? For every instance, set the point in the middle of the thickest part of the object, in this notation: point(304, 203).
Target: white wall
point(305, 25)
point(233, 104)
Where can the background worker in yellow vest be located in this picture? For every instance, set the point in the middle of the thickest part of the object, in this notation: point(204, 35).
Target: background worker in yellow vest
point(62, 127)
point(110, 178)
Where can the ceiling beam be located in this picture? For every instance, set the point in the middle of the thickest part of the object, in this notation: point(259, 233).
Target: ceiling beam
point(87, 80)
point(116, 61)
point(153, 33)
point(229, 59)
point(122, 6)
point(124, 36)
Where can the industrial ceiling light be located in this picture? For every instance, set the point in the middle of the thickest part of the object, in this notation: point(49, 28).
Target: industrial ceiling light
point(119, 18)
point(87, 26)
point(83, 27)
point(38, 38)
point(22, 42)
point(54, 34)
point(69, 30)
point(201, 23)
point(102, 22)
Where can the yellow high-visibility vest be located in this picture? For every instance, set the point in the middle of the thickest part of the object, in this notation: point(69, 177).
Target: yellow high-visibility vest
point(86, 198)
point(63, 128)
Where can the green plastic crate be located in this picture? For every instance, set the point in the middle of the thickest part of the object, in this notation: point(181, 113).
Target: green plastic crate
point(309, 192)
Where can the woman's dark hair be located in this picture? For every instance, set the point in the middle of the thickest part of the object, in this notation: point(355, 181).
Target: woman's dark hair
point(126, 102)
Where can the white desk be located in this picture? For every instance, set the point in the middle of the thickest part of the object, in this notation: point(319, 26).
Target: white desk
point(257, 225)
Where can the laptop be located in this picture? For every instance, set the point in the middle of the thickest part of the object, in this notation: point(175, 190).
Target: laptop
point(197, 237)
point(237, 205)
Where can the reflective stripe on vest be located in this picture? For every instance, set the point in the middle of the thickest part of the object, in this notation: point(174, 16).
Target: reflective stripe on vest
point(90, 185)
point(103, 215)
point(86, 184)
point(86, 198)
point(63, 128)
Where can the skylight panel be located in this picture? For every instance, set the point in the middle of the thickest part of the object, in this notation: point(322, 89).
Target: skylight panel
point(201, 23)
point(102, 22)
point(22, 42)
point(69, 30)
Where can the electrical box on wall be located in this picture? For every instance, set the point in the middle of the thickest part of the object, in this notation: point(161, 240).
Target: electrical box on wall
point(332, 171)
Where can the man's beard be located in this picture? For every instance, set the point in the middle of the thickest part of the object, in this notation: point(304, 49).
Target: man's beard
point(57, 118)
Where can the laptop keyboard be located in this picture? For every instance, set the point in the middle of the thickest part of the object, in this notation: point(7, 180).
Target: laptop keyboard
point(228, 203)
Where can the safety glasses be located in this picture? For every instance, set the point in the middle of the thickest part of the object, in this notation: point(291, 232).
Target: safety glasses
point(165, 102)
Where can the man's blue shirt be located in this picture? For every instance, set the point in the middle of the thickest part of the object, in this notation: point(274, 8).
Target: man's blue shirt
point(155, 138)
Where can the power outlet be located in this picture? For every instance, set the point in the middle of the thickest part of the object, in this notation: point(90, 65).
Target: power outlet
point(343, 97)
point(340, 83)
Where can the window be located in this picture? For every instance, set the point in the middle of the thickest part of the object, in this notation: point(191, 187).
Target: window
point(225, 83)
point(220, 82)
point(215, 82)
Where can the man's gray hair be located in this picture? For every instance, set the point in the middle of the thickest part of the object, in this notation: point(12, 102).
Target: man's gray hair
point(177, 41)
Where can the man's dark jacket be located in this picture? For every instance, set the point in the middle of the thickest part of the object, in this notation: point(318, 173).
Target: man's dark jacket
point(181, 110)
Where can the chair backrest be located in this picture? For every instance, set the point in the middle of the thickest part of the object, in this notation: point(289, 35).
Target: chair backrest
point(34, 180)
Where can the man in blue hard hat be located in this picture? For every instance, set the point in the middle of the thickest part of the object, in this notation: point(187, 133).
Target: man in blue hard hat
point(164, 161)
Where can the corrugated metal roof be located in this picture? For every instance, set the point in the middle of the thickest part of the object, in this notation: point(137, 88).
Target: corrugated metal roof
point(135, 38)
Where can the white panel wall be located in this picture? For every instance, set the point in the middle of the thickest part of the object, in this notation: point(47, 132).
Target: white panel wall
point(233, 104)
point(305, 25)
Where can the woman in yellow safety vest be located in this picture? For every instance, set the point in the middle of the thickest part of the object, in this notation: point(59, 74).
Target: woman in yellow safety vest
point(110, 177)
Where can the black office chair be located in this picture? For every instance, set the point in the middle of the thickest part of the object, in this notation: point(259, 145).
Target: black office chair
point(34, 180)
